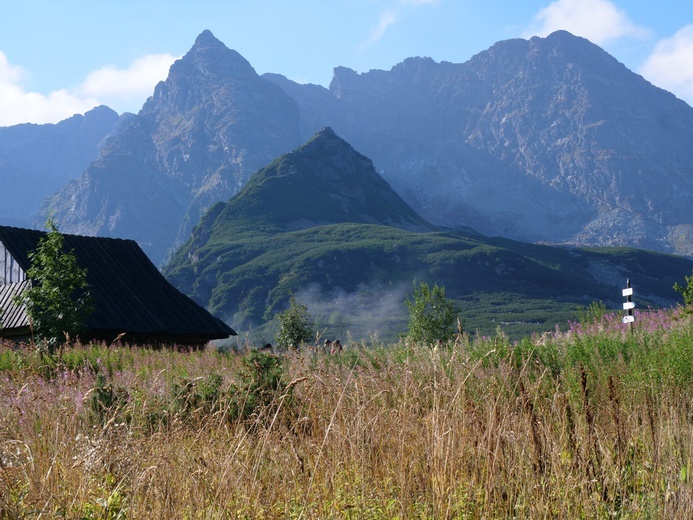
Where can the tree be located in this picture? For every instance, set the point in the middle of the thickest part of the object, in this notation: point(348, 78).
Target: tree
point(432, 316)
point(296, 325)
point(686, 292)
point(59, 301)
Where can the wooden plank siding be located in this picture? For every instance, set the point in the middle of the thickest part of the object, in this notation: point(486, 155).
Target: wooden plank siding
point(10, 272)
point(13, 317)
point(130, 294)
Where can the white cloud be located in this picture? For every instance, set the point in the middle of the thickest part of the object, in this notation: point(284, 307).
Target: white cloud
point(386, 20)
point(19, 106)
point(600, 21)
point(390, 16)
point(670, 66)
point(122, 90)
point(9, 73)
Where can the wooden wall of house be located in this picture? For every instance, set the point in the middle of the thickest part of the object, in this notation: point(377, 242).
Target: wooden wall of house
point(10, 272)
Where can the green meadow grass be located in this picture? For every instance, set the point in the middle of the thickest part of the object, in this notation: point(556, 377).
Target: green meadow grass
point(594, 420)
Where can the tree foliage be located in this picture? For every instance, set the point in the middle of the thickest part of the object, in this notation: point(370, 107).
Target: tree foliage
point(686, 292)
point(432, 316)
point(59, 301)
point(296, 325)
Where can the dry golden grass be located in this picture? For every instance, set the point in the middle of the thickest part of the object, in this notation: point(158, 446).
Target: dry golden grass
point(469, 431)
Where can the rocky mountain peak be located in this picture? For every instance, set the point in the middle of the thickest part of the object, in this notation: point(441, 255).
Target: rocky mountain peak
point(211, 56)
point(206, 39)
point(325, 140)
point(208, 127)
point(206, 64)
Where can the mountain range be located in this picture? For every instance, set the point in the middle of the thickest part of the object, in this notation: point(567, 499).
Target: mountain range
point(549, 140)
point(543, 140)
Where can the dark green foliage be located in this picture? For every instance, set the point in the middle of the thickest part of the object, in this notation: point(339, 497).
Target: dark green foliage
point(594, 312)
point(245, 277)
point(296, 326)
point(202, 393)
point(261, 383)
point(432, 316)
point(686, 292)
point(59, 302)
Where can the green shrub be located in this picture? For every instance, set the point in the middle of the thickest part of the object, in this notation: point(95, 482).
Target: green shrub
point(432, 316)
point(296, 325)
point(105, 401)
point(202, 393)
point(595, 312)
point(261, 381)
point(686, 292)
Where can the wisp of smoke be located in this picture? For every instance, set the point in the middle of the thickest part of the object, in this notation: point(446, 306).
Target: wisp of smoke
point(374, 309)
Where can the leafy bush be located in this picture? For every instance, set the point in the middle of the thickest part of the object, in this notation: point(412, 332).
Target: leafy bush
point(686, 292)
point(104, 400)
point(261, 380)
point(595, 312)
point(202, 393)
point(295, 325)
point(432, 316)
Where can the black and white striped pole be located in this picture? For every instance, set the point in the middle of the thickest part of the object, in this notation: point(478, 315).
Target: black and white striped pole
point(628, 305)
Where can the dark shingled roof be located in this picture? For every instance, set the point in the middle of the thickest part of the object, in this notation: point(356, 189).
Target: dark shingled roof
point(130, 295)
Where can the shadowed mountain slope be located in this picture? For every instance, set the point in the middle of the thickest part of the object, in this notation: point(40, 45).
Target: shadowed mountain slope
point(321, 223)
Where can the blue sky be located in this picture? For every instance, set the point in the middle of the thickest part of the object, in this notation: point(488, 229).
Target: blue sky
point(61, 57)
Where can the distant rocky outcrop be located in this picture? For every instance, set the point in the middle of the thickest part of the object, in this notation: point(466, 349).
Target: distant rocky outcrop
point(38, 160)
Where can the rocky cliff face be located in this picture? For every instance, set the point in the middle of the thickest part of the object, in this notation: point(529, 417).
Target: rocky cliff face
point(37, 160)
point(589, 128)
point(196, 141)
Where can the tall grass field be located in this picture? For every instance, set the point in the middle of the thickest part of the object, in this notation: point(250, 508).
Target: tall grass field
point(595, 421)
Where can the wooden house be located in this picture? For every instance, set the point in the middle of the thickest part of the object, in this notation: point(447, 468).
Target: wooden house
point(130, 296)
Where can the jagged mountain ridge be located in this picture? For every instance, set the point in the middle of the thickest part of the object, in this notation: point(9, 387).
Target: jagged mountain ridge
point(548, 139)
point(38, 160)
